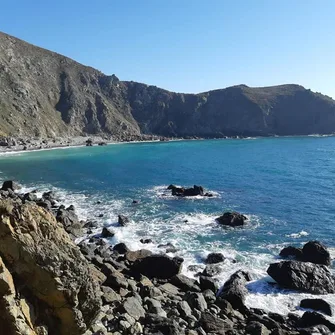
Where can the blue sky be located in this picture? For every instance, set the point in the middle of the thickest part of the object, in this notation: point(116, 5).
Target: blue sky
point(187, 45)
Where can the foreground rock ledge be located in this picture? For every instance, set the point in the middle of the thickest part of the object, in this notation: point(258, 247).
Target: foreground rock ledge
point(48, 270)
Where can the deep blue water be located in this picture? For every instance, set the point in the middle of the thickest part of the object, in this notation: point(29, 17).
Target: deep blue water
point(284, 185)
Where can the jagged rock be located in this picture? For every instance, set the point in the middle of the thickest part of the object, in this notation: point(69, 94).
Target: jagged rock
point(301, 276)
point(10, 185)
point(46, 262)
point(158, 325)
point(31, 196)
point(146, 240)
point(208, 283)
point(212, 324)
point(234, 289)
point(232, 219)
point(134, 308)
point(186, 192)
point(256, 328)
point(184, 308)
point(212, 270)
point(316, 252)
point(196, 301)
point(123, 220)
point(317, 304)
point(109, 295)
point(169, 247)
point(121, 248)
point(158, 266)
point(310, 319)
point(68, 218)
point(107, 232)
point(185, 283)
point(215, 257)
point(155, 307)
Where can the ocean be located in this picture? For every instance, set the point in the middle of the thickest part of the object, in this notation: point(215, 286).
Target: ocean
point(285, 186)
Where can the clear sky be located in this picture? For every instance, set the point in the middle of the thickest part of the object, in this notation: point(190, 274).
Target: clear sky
point(187, 45)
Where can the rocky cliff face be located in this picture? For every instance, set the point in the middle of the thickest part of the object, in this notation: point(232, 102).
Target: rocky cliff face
point(46, 285)
point(45, 94)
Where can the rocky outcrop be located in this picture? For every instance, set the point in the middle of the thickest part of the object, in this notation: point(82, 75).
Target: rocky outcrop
point(317, 304)
point(301, 276)
point(60, 97)
point(188, 192)
point(232, 219)
point(58, 285)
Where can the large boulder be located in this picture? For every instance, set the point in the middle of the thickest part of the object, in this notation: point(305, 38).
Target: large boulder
point(232, 219)
point(215, 257)
point(187, 192)
point(69, 219)
point(48, 267)
point(158, 266)
point(302, 276)
point(291, 252)
point(316, 252)
point(234, 290)
point(10, 185)
point(317, 304)
point(310, 319)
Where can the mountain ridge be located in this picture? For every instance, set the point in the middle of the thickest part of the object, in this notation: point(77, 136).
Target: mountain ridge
point(45, 94)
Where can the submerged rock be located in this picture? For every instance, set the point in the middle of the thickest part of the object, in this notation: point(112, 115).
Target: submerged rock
point(232, 219)
point(308, 277)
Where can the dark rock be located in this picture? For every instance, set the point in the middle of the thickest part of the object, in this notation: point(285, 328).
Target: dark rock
point(185, 283)
point(317, 304)
point(196, 190)
point(146, 240)
point(158, 266)
point(214, 325)
point(121, 248)
point(313, 318)
point(123, 220)
point(212, 270)
point(291, 252)
point(234, 289)
point(135, 201)
point(313, 330)
point(89, 142)
point(316, 252)
point(10, 185)
point(107, 232)
point(100, 216)
point(307, 277)
point(102, 143)
point(169, 247)
point(196, 301)
point(256, 328)
point(208, 283)
point(158, 325)
point(30, 197)
point(232, 219)
point(215, 257)
point(45, 204)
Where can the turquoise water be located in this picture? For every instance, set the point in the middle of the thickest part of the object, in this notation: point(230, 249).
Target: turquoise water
point(284, 185)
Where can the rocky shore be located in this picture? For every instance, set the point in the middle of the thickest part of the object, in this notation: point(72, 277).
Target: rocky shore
point(50, 285)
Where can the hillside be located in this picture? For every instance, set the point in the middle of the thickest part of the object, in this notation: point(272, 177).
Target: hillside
point(44, 94)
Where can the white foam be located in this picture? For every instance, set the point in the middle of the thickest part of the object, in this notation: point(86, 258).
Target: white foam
point(298, 235)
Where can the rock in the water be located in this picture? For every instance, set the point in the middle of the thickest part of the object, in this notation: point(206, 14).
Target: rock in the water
point(107, 232)
point(212, 270)
point(313, 318)
point(10, 185)
point(187, 192)
point(146, 240)
point(158, 266)
point(316, 252)
point(123, 220)
point(215, 257)
point(301, 276)
point(317, 304)
point(291, 252)
point(232, 219)
point(121, 248)
point(50, 266)
point(234, 289)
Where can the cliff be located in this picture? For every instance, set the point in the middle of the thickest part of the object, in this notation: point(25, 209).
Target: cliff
point(44, 94)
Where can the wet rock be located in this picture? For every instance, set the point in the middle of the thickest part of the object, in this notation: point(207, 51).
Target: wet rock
point(186, 192)
point(308, 277)
point(291, 252)
point(310, 319)
point(123, 220)
point(158, 266)
point(31, 196)
point(121, 248)
point(169, 247)
point(316, 252)
point(215, 257)
point(232, 219)
point(208, 283)
point(107, 232)
point(212, 270)
point(10, 185)
point(234, 289)
point(317, 304)
point(146, 240)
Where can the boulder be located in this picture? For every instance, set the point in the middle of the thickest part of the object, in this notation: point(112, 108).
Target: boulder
point(133, 256)
point(45, 262)
point(317, 304)
point(196, 301)
point(214, 325)
point(208, 283)
point(123, 220)
point(234, 290)
point(187, 192)
point(133, 306)
point(31, 196)
point(185, 283)
point(291, 252)
point(232, 219)
point(68, 218)
point(308, 277)
point(256, 328)
point(10, 185)
point(310, 319)
point(146, 240)
point(215, 257)
point(120, 248)
point(212, 270)
point(158, 266)
point(316, 252)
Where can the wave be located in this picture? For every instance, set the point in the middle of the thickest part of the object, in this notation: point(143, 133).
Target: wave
point(298, 235)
